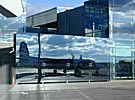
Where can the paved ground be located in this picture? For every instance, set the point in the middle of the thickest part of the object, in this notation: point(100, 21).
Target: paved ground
point(114, 90)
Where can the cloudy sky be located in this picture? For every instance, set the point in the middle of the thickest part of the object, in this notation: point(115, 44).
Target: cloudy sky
point(63, 46)
point(35, 6)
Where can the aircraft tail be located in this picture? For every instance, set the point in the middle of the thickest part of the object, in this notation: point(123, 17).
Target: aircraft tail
point(23, 51)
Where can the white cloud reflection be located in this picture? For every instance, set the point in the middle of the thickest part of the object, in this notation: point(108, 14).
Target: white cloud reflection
point(58, 46)
point(33, 9)
point(123, 18)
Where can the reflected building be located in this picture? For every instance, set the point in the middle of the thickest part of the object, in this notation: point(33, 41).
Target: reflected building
point(96, 20)
point(107, 25)
point(100, 30)
point(91, 19)
point(122, 24)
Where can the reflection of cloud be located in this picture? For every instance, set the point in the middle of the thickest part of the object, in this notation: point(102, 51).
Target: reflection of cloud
point(30, 39)
point(119, 24)
point(8, 25)
point(57, 40)
point(33, 9)
point(122, 17)
point(59, 46)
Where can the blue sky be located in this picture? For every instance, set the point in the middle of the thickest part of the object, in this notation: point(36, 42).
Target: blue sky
point(35, 6)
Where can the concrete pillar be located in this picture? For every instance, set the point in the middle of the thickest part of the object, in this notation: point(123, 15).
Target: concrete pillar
point(7, 66)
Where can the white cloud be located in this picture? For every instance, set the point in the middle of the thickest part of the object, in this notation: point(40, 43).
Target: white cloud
point(33, 9)
point(64, 50)
point(117, 24)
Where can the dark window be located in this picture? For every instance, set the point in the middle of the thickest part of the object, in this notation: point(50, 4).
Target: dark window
point(97, 18)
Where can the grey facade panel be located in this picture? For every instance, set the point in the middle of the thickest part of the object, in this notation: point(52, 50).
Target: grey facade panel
point(42, 18)
point(71, 22)
point(29, 21)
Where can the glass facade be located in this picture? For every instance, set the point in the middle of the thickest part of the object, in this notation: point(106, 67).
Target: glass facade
point(121, 23)
point(122, 19)
point(12, 24)
point(97, 18)
point(122, 59)
point(69, 57)
point(65, 58)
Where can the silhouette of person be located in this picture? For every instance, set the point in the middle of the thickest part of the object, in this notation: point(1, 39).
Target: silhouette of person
point(80, 56)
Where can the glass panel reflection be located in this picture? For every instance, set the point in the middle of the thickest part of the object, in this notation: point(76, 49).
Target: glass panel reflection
point(123, 67)
point(122, 2)
point(26, 62)
point(121, 16)
point(77, 58)
point(63, 58)
point(123, 52)
point(122, 56)
point(97, 18)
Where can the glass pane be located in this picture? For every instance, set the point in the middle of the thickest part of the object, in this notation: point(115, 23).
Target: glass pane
point(100, 52)
point(123, 52)
point(123, 67)
point(124, 43)
point(122, 2)
point(96, 18)
point(27, 53)
point(122, 19)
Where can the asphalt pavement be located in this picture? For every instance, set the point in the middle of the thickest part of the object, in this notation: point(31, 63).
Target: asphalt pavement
point(112, 90)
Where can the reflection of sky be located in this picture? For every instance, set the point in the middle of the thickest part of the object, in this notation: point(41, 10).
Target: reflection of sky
point(36, 6)
point(122, 17)
point(61, 46)
point(10, 25)
point(13, 23)
point(126, 51)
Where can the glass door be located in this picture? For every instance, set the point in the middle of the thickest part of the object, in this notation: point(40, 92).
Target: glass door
point(122, 60)
point(123, 68)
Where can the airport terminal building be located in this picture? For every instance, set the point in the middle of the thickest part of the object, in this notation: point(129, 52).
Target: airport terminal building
point(91, 19)
point(111, 22)
point(102, 31)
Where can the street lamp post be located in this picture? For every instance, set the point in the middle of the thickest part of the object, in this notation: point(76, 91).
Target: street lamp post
point(39, 65)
